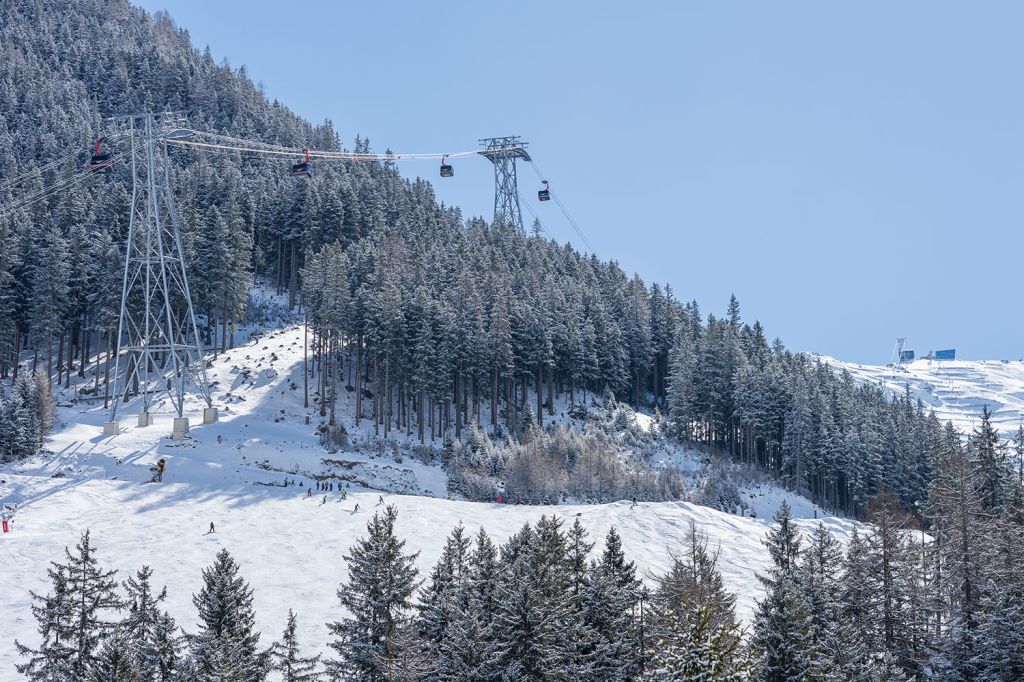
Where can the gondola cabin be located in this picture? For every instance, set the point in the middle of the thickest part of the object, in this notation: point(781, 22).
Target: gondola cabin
point(303, 168)
point(100, 162)
point(446, 168)
point(544, 194)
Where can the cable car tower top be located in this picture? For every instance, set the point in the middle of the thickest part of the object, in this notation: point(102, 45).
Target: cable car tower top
point(158, 344)
point(503, 152)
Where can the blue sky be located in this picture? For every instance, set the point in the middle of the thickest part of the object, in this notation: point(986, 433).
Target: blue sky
point(854, 172)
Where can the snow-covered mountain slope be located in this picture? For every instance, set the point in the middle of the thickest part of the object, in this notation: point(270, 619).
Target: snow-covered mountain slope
point(289, 546)
point(957, 390)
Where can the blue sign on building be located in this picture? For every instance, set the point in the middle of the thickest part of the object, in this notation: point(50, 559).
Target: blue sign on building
point(948, 354)
point(906, 355)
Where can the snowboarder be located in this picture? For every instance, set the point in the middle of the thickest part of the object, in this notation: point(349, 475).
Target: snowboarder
point(212, 530)
point(344, 494)
point(634, 503)
point(309, 492)
point(158, 477)
point(356, 509)
point(323, 501)
point(380, 499)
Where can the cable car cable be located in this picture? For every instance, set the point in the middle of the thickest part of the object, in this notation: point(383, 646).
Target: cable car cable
point(565, 211)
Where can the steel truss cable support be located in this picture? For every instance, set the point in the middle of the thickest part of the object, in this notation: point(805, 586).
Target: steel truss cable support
point(158, 347)
point(503, 152)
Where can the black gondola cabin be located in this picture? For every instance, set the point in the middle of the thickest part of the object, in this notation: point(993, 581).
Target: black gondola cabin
point(544, 194)
point(100, 162)
point(304, 168)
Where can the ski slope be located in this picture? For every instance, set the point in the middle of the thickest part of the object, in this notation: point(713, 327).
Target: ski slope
point(956, 390)
point(290, 546)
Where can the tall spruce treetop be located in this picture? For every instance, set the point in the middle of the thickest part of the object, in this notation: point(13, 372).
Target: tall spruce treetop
point(378, 598)
point(783, 543)
point(150, 634)
point(74, 619)
point(226, 646)
point(287, 659)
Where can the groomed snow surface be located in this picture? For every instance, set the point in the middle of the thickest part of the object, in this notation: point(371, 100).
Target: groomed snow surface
point(289, 546)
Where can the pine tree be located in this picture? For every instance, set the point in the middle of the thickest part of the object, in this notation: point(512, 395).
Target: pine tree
point(990, 459)
point(783, 636)
point(692, 647)
point(694, 582)
point(114, 662)
point(446, 594)
point(226, 647)
point(72, 620)
point(532, 605)
point(150, 634)
point(53, 660)
point(612, 602)
point(842, 655)
point(378, 598)
point(286, 657)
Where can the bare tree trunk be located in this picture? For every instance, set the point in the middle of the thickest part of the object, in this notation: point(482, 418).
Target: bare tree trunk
point(15, 352)
point(458, 410)
point(305, 364)
point(359, 378)
point(70, 358)
point(106, 373)
point(49, 358)
point(494, 403)
point(84, 345)
point(223, 329)
point(293, 280)
point(540, 398)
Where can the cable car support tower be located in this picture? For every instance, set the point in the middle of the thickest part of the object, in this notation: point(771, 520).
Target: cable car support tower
point(503, 152)
point(158, 347)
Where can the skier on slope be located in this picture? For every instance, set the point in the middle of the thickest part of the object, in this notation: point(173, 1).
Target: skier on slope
point(380, 499)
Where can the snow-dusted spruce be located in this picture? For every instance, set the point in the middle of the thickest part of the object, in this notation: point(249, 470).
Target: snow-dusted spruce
point(155, 646)
point(288, 660)
point(75, 619)
point(226, 647)
point(783, 635)
point(372, 640)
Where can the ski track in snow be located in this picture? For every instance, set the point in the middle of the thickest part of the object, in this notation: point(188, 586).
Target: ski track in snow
point(289, 547)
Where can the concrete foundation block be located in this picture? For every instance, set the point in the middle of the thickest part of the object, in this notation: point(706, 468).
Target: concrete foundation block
point(210, 415)
point(111, 428)
point(180, 428)
point(145, 419)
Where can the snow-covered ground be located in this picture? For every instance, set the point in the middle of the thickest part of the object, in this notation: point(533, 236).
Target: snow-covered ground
point(957, 390)
point(289, 546)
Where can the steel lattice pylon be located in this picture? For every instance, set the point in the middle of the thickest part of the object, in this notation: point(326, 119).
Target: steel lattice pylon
point(503, 152)
point(158, 344)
